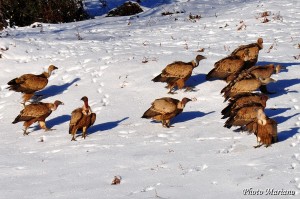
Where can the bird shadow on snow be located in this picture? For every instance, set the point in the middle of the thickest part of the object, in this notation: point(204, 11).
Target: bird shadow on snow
point(277, 111)
point(105, 126)
point(186, 116)
point(284, 135)
point(280, 87)
point(56, 89)
point(195, 80)
point(281, 119)
point(55, 121)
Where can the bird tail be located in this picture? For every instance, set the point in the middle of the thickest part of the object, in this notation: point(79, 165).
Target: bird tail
point(226, 111)
point(17, 119)
point(12, 82)
point(149, 113)
point(210, 74)
point(229, 122)
point(160, 78)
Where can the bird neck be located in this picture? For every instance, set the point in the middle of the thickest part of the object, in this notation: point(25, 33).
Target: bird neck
point(54, 107)
point(195, 63)
point(180, 105)
point(46, 74)
point(86, 109)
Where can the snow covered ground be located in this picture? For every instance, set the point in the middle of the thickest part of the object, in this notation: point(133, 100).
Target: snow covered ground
point(113, 65)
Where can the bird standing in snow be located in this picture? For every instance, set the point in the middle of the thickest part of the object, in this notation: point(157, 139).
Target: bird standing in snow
point(37, 112)
point(28, 84)
point(165, 109)
point(264, 128)
point(177, 73)
point(81, 119)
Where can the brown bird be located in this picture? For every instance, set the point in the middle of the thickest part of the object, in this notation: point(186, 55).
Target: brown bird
point(226, 67)
point(28, 84)
point(177, 73)
point(264, 128)
point(243, 100)
point(165, 109)
point(244, 115)
point(81, 119)
point(37, 112)
point(264, 72)
point(249, 52)
point(244, 83)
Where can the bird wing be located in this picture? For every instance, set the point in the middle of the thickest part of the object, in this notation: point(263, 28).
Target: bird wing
point(245, 85)
point(76, 115)
point(165, 105)
point(35, 83)
point(252, 127)
point(93, 118)
point(177, 69)
point(35, 110)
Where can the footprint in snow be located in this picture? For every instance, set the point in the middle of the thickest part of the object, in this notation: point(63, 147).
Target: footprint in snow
point(105, 100)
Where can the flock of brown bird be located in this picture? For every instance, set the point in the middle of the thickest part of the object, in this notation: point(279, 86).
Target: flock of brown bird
point(81, 118)
point(175, 75)
point(245, 108)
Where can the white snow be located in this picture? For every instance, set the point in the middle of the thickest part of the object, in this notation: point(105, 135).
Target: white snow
point(198, 157)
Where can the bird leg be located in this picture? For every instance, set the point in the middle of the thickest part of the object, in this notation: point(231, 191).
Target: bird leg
point(26, 97)
point(171, 86)
point(73, 134)
point(168, 123)
point(189, 88)
point(43, 126)
point(257, 146)
point(25, 132)
point(84, 132)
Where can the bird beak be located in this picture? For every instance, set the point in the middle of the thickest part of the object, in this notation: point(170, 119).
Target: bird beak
point(62, 103)
point(55, 68)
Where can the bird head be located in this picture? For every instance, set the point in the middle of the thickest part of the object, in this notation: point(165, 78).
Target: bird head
point(57, 103)
point(84, 98)
point(260, 42)
point(185, 100)
point(52, 68)
point(198, 59)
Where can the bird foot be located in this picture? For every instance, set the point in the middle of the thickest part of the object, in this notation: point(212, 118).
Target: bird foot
point(84, 136)
point(25, 133)
point(49, 129)
point(190, 89)
point(257, 146)
point(73, 139)
point(172, 93)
